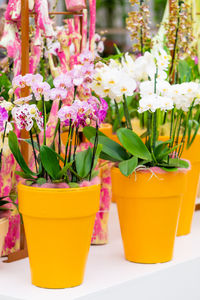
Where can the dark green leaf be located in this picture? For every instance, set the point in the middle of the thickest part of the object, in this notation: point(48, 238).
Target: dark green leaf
point(127, 167)
point(50, 161)
point(179, 163)
point(13, 144)
point(64, 170)
point(90, 132)
point(24, 175)
point(83, 162)
point(98, 152)
point(193, 125)
point(133, 143)
point(112, 149)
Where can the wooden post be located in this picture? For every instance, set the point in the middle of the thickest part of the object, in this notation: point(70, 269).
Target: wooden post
point(24, 63)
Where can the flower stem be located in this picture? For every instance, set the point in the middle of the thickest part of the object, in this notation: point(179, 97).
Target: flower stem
point(117, 113)
point(94, 151)
point(34, 152)
point(126, 113)
point(44, 116)
point(70, 146)
point(67, 144)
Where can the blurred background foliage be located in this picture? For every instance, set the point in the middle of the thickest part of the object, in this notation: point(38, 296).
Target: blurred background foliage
point(111, 22)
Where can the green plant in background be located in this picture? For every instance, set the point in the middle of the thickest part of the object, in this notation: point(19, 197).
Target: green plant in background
point(159, 8)
point(110, 7)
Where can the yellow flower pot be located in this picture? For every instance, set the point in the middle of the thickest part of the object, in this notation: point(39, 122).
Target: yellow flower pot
point(3, 232)
point(58, 225)
point(189, 199)
point(148, 209)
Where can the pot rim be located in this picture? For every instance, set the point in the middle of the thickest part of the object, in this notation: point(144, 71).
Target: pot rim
point(60, 190)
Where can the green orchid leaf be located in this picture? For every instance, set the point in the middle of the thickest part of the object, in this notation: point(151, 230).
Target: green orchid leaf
point(90, 132)
point(179, 163)
point(127, 167)
point(83, 162)
point(112, 149)
point(24, 175)
point(97, 154)
point(133, 143)
point(169, 169)
point(166, 151)
point(94, 174)
point(193, 125)
point(64, 170)
point(14, 147)
point(50, 161)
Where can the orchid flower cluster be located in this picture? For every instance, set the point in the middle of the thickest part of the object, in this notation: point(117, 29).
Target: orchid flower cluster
point(158, 102)
point(79, 112)
point(82, 113)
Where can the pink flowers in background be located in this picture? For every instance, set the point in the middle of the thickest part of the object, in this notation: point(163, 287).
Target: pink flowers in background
point(74, 5)
point(58, 94)
point(63, 81)
point(26, 80)
point(3, 118)
point(41, 89)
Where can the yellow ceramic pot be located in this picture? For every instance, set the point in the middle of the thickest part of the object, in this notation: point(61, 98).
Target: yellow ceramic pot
point(3, 232)
point(189, 199)
point(148, 208)
point(58, 226)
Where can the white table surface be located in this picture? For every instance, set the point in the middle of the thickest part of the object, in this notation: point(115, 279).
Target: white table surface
point(109, 276)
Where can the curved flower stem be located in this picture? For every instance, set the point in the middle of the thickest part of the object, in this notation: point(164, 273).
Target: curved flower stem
point(37, 137)
point(94, 151)
point(153, 134)
point(34, 152)
point(70, 146)
point(179, 129)
point(45, 121)
point(67, 144)
point(117, 113)
point(149, 127)
point(59, 132)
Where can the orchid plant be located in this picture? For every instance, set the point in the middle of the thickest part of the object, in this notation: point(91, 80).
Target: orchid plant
point(159, 102)
point(64, 166)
